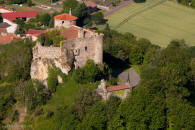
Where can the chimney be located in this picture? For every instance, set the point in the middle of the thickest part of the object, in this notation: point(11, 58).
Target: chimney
point(70, 12)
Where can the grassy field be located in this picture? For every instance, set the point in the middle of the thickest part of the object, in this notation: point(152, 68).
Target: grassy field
point(26, 8)
point(159, 21)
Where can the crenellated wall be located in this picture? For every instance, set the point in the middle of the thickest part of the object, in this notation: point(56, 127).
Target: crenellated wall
point(46, 52)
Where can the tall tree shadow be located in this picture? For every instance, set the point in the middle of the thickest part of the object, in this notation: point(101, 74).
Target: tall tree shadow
point(117, 65)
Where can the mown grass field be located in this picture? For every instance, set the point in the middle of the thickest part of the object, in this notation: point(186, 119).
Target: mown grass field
point(160, 21)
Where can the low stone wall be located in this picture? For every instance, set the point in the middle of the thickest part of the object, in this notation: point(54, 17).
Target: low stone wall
point(46, 52)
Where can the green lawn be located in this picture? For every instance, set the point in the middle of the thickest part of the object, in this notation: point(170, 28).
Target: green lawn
point(158, 22)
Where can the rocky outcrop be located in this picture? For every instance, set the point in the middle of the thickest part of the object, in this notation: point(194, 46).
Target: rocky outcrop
point(44, 57)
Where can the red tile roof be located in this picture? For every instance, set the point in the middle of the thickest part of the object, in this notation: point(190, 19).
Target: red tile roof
point(90, 4)
point(65, 17)
point(7, 39)
point(34, 32)
point(70, 33)
point(118, 87)
point(24, 14)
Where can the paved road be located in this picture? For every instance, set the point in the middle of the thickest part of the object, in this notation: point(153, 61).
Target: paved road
point(134, 77)
point(122, 5)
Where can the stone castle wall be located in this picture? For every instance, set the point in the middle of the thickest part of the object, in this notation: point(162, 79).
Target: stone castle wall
point(85, 49)
point(76, 51)
point(46, 52)
point(64, 23)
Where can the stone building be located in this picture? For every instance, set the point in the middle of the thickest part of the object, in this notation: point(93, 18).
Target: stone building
point(64, 20)
point(85, 44)
point(33, 34)
point(120, 90)
point(80, 46)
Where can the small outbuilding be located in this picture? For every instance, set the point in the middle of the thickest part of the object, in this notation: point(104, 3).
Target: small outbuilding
point(33, 34)
point(120, 90)
point(64, 20)
point(91, 6)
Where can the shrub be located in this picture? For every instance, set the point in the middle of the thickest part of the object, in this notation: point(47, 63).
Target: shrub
point(89, 73)
point(15, 116)
point(52, 80)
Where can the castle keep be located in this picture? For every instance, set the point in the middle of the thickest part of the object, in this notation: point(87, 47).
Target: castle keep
point(80, 46)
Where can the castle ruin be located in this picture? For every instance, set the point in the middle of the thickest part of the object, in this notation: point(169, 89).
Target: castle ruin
point(80, 46)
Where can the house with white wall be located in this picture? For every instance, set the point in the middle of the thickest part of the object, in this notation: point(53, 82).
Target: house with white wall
point(65, 20)
point(4, 10)
point(11, 17)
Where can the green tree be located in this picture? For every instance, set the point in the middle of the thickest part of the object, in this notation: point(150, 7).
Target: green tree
point(29, 3)
point(86, 98)
point(98, 114)
point(69, 4)
point(52, 80)
point(81, 12)
point(89, 73)
point(136, 55)
point(45, 19)
point(98, 18)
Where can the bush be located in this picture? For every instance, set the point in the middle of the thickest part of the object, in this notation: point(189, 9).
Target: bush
point(89, 73)
point(29, 3)
point(34, 94)
point(51, 38)
point(49, 114)
point(15, 116)
point(52, 80)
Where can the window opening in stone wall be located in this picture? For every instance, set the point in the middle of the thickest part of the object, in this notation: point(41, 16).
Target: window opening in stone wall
point(62, 22)
point(85, 48)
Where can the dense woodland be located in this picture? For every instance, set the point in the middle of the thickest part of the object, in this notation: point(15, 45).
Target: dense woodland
point(164, 98)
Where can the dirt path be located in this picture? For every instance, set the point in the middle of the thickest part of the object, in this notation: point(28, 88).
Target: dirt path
point(18, 125)
point(122, 5)
point(22, 114)
point(133, 76)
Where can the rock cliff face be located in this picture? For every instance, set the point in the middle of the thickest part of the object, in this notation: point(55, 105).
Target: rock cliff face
point(44, 57)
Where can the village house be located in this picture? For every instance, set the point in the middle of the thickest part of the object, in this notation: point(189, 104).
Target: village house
point(11, 17)
point(4, 10)
point(91, 6)
point(120, 90)
point(64, 20)
point(33, 34)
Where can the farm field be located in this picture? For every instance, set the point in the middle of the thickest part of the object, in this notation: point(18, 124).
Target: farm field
point(159, 21)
